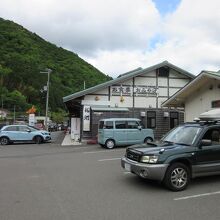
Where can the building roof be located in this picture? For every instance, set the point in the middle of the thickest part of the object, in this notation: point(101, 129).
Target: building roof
point(178, 99)
point(107, 109)
point(124, 77)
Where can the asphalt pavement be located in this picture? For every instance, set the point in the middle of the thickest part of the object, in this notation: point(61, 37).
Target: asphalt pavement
point(53, 182)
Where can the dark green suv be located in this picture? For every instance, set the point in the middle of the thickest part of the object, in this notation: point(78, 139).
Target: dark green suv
point(186, 152)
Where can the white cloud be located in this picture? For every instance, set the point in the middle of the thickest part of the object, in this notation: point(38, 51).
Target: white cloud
point(116, 35)
point(191, 34)
point(190, 40)
point(86, 26)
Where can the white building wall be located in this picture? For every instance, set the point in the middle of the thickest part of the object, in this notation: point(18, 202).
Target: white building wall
point(201, 100)
point(173, 73)
point(173, 91)
point(162, 81)
point(97, 98)
point(178, 82)
point(162, 91)
point(153, 73)
point(145, 102)
point(156, 91)
point(115, 101)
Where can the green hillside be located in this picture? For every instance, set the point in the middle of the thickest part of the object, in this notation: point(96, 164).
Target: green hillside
point(23, 55)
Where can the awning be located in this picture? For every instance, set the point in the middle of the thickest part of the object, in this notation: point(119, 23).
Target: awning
point(109, 109)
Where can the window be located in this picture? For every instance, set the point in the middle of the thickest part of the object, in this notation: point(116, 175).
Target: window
point(163, 72)
point(133, 125)
point(120, 124)
point(213, 135)
point(183, 134)
point(216, 104)
point(108, 125)
point(23, 128)
point(101, 124)
point(12, 128)
point(151, 119)
point(174, 119)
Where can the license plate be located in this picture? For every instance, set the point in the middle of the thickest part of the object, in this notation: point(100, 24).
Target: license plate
point(128, 167)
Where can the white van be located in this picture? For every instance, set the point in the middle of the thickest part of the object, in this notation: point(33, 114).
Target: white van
point(123, 131)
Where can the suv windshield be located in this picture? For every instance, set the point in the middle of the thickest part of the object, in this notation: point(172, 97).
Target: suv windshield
point(185, 135)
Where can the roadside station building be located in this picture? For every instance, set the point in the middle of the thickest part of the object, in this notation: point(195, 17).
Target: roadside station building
point(138, 93)
point(200, 95)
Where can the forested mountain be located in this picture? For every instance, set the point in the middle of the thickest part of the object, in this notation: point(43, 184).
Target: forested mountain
point(23, 55)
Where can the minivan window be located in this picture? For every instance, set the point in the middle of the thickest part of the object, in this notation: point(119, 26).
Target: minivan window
point(120, 124)
point(108, 125)
point(133, 125)
point(101, 124)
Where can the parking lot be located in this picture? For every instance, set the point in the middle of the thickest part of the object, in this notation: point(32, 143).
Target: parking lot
point(47, 181)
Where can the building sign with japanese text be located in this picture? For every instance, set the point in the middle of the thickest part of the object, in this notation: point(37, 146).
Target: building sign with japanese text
point(138, 90)
point(86, 118)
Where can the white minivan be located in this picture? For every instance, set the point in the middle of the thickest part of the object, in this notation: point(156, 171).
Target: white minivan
point(123, 131)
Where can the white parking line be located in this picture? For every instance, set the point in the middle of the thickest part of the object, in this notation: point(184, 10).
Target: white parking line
point(78, 148)
point(118, 158)
point(197, 196)
point(101, 151)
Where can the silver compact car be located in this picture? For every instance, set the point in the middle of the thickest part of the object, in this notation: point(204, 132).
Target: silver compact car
point(23, 133)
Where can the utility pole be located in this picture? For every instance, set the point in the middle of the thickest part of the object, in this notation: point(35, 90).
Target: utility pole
point(48, 71)
point(2, 102)
point(14, 114)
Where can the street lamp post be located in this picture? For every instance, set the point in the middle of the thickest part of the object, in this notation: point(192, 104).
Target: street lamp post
point(48, 71)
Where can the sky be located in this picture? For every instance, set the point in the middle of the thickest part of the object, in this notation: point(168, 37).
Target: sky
point(117, 36)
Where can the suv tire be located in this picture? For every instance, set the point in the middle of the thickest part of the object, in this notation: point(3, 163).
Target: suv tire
point(4, 141)
point(177, 177)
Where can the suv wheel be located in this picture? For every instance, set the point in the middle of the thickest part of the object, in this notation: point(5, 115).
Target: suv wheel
point(110, 144)
point(177, 177)
point(4, 141)
point(38, 139)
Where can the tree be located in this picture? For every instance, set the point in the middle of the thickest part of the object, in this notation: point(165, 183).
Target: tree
point(58, 116)
point(15, 98)
point(4, 71)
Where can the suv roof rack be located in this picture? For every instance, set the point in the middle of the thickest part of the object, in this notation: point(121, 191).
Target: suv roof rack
point(205, 121)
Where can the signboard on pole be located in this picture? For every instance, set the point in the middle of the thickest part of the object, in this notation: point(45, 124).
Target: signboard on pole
point(31, 119)
point(86, 118)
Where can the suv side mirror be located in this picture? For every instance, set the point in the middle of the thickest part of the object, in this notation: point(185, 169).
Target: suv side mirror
point(206, 142)
point(28, 130)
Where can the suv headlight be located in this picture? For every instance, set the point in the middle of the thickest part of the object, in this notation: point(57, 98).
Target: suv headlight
point(149, 159)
